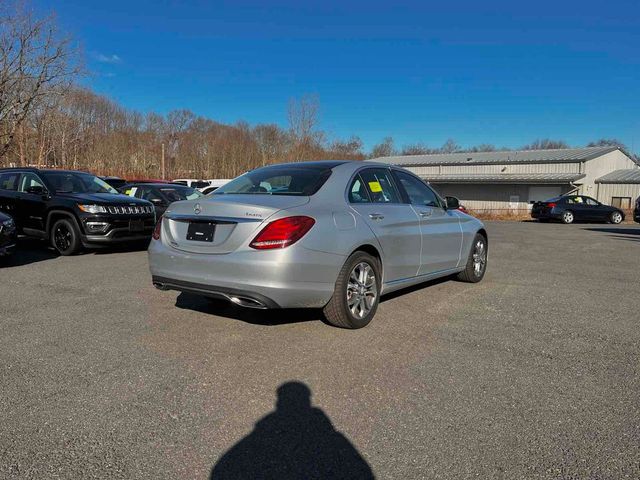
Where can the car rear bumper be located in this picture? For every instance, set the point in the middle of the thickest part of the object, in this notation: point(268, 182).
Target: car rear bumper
point(294, 277)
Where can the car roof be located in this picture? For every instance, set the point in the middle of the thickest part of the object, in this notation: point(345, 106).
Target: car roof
point(41, 170)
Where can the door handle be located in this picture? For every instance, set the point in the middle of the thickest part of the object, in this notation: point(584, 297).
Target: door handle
point(376, 216)
point(425, 213)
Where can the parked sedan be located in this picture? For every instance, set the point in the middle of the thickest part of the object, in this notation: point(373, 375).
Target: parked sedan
point(161, 194)
point(570, 208)
point(7, 235)
point(332, 235)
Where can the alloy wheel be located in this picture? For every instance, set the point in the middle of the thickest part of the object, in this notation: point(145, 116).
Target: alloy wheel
point(616, 217)
point(567, 217)
point(362, 290)
point(63, 238)
point(479, 258)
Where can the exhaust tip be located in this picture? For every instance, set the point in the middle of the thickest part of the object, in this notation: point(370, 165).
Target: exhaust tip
point(247, 302)
point(160, 286)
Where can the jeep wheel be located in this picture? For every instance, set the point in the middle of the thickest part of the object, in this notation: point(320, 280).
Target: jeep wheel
point(65, 237)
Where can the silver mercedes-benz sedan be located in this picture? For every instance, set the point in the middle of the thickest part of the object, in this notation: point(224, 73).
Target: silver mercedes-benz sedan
point(334, 235)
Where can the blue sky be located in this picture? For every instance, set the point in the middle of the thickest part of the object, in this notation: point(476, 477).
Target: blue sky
point(501, 72)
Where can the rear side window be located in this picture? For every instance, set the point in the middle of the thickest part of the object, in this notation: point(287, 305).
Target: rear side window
point(358, 191)
point(278, 180)
point(379, 185)
point(9, 181)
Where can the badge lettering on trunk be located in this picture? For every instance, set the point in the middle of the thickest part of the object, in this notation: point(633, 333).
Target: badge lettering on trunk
point(197, 209)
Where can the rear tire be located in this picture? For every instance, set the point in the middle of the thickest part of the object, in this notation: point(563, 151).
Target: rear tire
point(65, 237)
point(357, 292)
point(568, 217)
point(477, 261)
point(615, 218)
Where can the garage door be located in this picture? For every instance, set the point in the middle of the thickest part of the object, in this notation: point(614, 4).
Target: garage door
point(544, 192)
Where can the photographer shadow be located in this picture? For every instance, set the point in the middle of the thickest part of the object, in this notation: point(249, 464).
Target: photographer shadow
point(295, 441)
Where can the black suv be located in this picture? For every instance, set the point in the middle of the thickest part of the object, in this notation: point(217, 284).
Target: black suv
point(72, 209)
point(636, 211)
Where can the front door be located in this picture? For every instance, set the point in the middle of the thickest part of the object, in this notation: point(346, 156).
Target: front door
point(441, 232)
point(32, 202)
point(375, 197)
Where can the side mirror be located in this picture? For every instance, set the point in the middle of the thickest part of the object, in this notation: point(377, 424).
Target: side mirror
point(36, 190)
point(452, 203)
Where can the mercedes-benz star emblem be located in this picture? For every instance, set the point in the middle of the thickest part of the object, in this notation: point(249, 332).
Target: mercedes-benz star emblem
point(197, 209)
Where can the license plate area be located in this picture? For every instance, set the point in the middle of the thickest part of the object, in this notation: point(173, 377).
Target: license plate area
point(136, 225)
point(201, 231)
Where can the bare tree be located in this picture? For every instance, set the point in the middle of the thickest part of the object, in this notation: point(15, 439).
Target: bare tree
point(608, 142)
point(384, 149)
point(417, 149)
point(450, 146)
point(545, 144)
point(36, 63)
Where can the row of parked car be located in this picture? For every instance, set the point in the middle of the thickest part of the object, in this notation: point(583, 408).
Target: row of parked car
point(73, 209)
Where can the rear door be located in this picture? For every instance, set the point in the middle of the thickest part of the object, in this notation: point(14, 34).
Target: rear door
point(9, 194)
point(375, 197)
point(579, 208)
point(441, 232)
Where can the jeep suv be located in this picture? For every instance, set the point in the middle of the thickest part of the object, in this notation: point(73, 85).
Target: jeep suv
point(72, 209)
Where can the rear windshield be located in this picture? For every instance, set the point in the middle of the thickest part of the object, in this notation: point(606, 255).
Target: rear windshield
point(293, 180)
point(175, 194)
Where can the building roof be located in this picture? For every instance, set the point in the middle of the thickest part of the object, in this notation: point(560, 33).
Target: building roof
point(509, 178)
point(563, 155)
point(631, 175)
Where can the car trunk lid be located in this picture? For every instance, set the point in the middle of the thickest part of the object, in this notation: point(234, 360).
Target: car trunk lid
point(231, 219)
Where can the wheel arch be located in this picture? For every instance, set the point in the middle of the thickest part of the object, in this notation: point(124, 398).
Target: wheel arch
point(373, 251)
point(57, 214)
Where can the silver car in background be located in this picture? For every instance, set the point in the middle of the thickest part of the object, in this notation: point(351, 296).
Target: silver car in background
point(334, 235)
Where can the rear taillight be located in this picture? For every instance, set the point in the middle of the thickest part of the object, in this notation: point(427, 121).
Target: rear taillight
point(282, 232)
point(551, 205)
point(158, 228)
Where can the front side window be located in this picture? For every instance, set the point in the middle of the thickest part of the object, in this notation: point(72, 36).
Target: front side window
point(9, 181)
point(296, 180)
point(417, 191)
point(75, 182)
point(379, 185)
point(590, 201)
point(30, 180)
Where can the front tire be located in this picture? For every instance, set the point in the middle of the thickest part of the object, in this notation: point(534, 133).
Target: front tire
point(615, 218)
point(567, 217)
point(65, 237)
point(357, 292)
point(477, 261)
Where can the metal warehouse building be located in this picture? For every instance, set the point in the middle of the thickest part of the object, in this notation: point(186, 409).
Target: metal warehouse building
point(511, 180)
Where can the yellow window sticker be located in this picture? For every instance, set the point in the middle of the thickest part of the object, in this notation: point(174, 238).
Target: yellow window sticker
point(375, 187)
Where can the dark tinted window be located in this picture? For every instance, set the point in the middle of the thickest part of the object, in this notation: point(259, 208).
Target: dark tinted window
point(9, 181)
point(418, 192)
point(296, 180)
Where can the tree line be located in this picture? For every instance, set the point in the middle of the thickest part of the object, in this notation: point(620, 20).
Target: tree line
point(46, 119)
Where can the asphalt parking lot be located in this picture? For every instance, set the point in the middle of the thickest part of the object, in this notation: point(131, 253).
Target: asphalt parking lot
point(533, 373)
